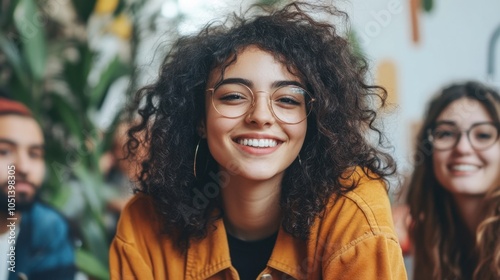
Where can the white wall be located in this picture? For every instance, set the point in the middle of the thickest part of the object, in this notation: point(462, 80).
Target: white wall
point(453, 45)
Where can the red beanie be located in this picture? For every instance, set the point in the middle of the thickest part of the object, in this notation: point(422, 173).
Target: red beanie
point(8, 106)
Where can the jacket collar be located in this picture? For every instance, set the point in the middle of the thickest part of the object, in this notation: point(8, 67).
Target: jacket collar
point(289, 255)
point(210, 255)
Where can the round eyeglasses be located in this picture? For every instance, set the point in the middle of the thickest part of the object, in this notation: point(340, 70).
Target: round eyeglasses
point(446, 136)
point(290, 104)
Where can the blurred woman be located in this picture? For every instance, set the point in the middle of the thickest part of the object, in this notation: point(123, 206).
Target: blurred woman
point(454, 193)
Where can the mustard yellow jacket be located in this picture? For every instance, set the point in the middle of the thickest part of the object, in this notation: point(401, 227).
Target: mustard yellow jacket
point(355, 239)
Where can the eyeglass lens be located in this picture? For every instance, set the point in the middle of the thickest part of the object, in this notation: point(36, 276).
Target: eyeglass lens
point(480, 135)
point(288, 103)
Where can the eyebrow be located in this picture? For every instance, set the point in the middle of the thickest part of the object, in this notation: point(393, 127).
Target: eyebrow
point(455, 124)
point(12, 143)
point(446, 122)
point(249, 83)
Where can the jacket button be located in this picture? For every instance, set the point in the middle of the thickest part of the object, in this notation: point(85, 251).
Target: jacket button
point(266, 277)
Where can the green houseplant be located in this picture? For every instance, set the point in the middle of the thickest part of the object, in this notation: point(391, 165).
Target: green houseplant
point(46, 62)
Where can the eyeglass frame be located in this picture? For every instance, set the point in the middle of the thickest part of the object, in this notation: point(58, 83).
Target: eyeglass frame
point(430, 137)
point(308, 103)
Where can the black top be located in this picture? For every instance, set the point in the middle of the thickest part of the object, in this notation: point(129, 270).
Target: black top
point(250, 258)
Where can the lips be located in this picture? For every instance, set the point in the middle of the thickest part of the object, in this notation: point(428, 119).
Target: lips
point(23, 186)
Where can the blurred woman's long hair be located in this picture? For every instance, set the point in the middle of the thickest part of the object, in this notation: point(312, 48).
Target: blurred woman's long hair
point(441, 249)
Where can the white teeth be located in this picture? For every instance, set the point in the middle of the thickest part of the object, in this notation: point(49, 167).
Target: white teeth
point(464, 167)
point(260, 143)
point(263, 143)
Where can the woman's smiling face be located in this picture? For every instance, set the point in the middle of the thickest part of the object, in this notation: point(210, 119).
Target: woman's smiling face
point(463, 170)
point(256, 145)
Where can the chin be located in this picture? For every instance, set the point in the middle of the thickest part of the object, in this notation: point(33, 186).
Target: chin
point(468, 190)
point(259, 175)
point(24, 201)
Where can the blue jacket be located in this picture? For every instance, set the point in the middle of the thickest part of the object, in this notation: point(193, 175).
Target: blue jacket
point(44, 247)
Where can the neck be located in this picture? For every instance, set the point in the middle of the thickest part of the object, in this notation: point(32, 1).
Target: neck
point(251, 209)
point(471, 210)
point(7, 220)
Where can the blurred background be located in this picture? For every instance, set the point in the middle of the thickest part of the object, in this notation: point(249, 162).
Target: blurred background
point(75, 63)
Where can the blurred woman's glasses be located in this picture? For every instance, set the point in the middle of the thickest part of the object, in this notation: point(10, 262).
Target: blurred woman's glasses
point(445, 136)
point(290, 104)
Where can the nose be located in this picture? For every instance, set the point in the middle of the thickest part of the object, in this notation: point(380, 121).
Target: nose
point(261, 113)
point(22, 162)
point(464, 145)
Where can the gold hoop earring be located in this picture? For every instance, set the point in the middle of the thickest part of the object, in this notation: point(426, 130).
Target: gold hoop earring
point(195, 155)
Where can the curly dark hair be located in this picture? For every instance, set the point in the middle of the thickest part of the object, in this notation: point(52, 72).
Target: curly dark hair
point(337, 133)
point(440, 250)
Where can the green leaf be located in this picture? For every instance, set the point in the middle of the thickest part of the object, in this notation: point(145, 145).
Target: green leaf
point(6, 15)
point(29, 22)
point(22, 92)
point(68, 115)
point(92, 223)
point(114, 70)
point(87, 263)
point(84, 9)
point(109, 135)
point(75, 74)
point(427, 5)
point(92, 191)
point(59, 197)
point(14, 58)
point(353, 39)
point(95, 238)
point(122, 5)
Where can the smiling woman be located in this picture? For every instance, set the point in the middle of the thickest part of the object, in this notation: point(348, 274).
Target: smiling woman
point(258, 164)
point(258, 118)
point(454, 193)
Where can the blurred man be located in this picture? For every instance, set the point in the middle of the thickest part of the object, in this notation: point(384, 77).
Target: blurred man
point(34, 238)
